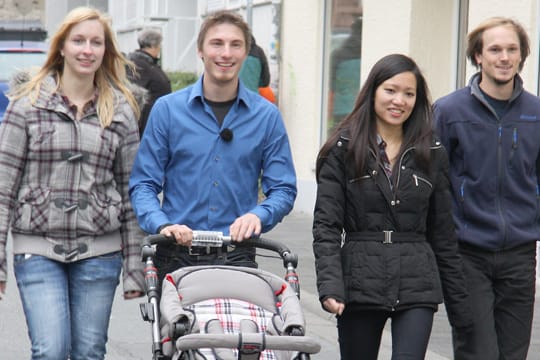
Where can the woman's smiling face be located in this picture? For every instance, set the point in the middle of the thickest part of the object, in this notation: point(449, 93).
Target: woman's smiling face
point(84, 48)
point(395, 99)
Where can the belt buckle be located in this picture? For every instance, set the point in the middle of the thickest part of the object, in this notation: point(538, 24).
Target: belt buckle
point(200, 250)
point(194, 251)
point(387, 236)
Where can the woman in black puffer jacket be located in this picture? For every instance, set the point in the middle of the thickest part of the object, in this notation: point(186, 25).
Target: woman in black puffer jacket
point(383, 232)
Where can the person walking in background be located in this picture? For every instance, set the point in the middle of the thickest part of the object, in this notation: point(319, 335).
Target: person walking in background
point(491, 130)
point(67, 144)
point(205, 148)
point(384, 241)
point(148, 72)
point(255, 73)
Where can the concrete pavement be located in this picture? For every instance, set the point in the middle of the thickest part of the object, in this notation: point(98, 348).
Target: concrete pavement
point(130, 337)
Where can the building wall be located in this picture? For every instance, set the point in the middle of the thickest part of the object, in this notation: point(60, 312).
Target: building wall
point(432, 43)
point(300, 89)
point(178, 21)
point(30, 10)
point(56, 10)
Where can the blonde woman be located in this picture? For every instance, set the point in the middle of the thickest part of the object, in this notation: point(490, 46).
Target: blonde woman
point(67, 144)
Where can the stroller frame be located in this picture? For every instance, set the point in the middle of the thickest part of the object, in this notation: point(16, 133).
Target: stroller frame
point(151, 313)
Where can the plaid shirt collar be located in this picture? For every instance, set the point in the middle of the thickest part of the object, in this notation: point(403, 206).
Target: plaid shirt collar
point(90, 105)
point(384, 157)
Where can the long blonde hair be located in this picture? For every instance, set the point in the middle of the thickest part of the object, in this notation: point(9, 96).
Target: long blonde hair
point(111, 74)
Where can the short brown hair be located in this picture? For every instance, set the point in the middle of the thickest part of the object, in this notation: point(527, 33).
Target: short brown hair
point(475, 40)
point(224, 17)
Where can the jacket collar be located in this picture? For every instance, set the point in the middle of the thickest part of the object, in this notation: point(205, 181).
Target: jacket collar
point(474, 84)
point(141, 54)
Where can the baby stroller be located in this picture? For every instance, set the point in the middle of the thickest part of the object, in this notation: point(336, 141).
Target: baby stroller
point(225, 312)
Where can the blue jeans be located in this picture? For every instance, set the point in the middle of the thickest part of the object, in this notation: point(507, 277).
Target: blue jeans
point(67, 306)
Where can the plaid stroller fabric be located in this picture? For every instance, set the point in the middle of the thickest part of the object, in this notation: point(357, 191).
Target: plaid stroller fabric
point(230, 313)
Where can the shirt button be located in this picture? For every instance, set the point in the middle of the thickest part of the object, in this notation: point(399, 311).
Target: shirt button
point(215, 183)
point(393, 203)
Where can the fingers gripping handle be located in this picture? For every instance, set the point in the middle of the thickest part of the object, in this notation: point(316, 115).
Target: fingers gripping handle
point(200, 238)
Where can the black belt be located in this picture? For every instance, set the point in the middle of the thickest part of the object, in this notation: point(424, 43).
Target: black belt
point(195, 250)
point(385, 237)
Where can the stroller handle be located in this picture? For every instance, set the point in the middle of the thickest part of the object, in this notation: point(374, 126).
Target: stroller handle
point(203, 238)
point(200, 238)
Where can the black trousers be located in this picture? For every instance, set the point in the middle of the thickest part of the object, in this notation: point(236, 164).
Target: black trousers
point(502, 289)
point(360, 333)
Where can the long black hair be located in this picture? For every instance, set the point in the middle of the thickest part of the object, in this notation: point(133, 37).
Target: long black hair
point(361, 127)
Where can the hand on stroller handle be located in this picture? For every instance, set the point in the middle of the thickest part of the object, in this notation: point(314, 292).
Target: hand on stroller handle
point(203, 238)
point(200, 238)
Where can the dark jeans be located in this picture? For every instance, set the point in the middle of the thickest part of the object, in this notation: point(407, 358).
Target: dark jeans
point(168, 258)
point(360, 333)
point(502, 289)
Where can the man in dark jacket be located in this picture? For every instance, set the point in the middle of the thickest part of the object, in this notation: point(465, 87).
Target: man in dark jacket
point(149, 74)
point(491, 130)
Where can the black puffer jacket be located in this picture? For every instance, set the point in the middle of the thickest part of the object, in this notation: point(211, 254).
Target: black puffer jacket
point(420, 264)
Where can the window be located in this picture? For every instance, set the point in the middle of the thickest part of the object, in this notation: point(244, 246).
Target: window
point(343, 54)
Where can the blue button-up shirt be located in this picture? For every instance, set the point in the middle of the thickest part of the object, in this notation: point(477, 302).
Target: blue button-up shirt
point(206, 181)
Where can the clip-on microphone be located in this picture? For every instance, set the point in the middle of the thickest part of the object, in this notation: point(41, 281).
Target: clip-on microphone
point(226, 134)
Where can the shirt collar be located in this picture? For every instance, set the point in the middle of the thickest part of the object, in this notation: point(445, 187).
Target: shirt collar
point(381, 142)
point(197, 92)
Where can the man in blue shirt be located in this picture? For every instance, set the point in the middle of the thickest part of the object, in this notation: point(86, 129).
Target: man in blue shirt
point(205, 149)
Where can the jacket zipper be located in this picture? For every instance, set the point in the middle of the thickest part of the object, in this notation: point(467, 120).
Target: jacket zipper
point(499, 177)
point(514, 145)
point(421, 179)
point(359, 178)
